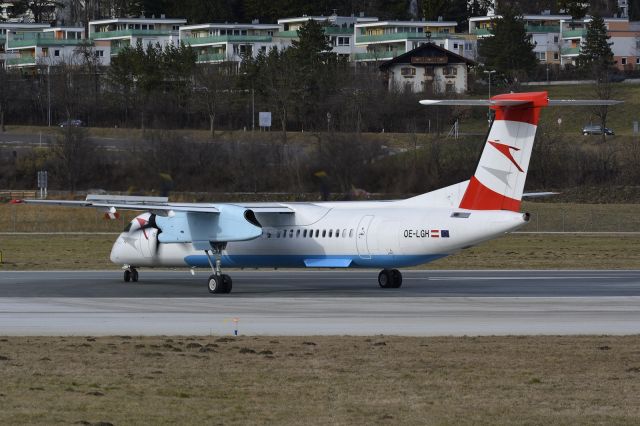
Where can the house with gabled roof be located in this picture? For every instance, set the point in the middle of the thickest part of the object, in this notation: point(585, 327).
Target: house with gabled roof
point(428, 68)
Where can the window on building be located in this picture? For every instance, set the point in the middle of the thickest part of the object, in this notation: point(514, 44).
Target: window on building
point(152, 26)
point(343, 41)
point(623, 61)
point(408, 72)
point(56, 53)
point(45, 51)
point(429, 71)
point(556, 56)
point(100, 53)
point(450, 88)
point(176, 28)
point(455, 45)
point(637, 61)
point(541, 56)
point(450, 71)
point(555, 39)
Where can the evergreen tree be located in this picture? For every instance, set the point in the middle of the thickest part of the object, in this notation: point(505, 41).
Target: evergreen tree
point(509, 50)
point(596, 54)
point(576, 8)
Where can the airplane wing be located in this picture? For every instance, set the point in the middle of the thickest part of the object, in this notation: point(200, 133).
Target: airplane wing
point(202, 224)
point(160, 205)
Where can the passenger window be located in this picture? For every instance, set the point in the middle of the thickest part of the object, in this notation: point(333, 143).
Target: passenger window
point(304, 234)
point(278, 234)
point(324, 233)
point(344, 233)
point(297, 233)
point(291, 233)
point(268, 234)
point(317, 233)
point(337, 233)
point(330, 233)
point(350, 233)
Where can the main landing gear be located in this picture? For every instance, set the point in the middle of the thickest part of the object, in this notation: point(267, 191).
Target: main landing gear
point(390, 278)
point(218, 282)
point(131, 274)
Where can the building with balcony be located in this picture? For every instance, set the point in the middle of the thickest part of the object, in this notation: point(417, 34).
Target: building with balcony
point(339, 29)
point(228, 42)
point(8, 30)
point(428, 68)
point(544, 31)
point(625, 39)
point(117, 33)
point(388, 39)
point(50, 47)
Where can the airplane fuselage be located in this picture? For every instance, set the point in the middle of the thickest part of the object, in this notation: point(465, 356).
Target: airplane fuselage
point(333, 235)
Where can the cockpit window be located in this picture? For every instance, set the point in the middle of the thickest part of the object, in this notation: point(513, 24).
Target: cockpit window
point(128, 227)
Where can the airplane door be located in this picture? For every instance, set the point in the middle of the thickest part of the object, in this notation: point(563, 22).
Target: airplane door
point(361, 237)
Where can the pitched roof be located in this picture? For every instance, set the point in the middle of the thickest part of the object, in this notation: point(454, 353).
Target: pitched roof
point(426, 50)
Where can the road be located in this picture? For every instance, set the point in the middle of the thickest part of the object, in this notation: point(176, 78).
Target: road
point(314, 303)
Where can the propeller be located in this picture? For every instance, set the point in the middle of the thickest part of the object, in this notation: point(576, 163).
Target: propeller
point(144, 222)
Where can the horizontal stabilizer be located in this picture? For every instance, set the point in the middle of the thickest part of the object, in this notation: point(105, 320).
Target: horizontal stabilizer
point(515, 102)
point(328, 263)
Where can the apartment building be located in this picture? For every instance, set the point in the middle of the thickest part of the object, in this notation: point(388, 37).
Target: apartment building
point(229, 42)
point(543, 29)
point(625, 39)
point(117, 33)
point(28, 48)
point(8, 30)
point(339, 29)
point(385, 40)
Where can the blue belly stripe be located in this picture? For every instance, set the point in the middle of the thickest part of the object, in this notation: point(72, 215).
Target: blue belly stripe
point(313, 261)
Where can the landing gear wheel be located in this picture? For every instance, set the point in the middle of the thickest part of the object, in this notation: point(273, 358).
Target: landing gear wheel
point(134, 275)
point(215, 284)
point(127, 275)
point(396, 278)
point(385, 279)
point(227, 283)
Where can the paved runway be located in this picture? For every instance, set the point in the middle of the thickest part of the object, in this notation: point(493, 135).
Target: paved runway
point(331, 302)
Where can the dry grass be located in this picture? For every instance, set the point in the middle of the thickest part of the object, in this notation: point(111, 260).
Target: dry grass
point(320, 380)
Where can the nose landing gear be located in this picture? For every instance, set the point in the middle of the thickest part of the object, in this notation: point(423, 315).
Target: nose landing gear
point(390, 278)
point(130, 274)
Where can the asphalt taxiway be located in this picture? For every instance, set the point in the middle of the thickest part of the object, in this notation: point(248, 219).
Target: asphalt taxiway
point(321, 302)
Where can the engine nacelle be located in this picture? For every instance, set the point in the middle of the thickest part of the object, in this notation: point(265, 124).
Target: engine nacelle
point(231, 223)
point(140, 222)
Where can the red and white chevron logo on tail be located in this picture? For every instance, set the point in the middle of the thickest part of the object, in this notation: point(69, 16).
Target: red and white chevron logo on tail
point(505, 150)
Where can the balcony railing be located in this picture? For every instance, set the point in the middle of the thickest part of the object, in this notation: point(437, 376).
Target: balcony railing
point(570, 51)
point(481, 31)
point(23, 60)
point(287, 34)
point(574, 33)
point(14, 44)
point(361, 38)
point(542, 28)
point(338, 31)
point(129, 33)
point(378, 56)
point(196, 41)
point(211, 57)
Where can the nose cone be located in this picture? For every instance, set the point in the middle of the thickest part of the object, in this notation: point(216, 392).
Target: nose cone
point(117, 250)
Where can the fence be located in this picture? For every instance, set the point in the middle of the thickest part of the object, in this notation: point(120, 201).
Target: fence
point(545, 217)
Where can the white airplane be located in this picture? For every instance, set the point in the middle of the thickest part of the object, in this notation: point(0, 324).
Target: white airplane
point(360, 234)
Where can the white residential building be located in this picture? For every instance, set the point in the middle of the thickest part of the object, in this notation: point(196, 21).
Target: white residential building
point(387, 39)
point(120, 32)
point(625, 39)
point(543, 29)
point(428, 68)
point(49, 47)
point(228, 42)
point(8, 30)
point(339, 29)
